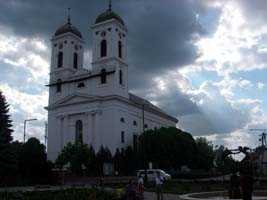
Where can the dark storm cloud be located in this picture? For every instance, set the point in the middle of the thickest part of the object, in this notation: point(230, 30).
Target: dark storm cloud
point(254, 11)
point(160, 31)
point(161, 34)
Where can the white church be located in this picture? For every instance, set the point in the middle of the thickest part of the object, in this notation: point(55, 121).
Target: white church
point(95, 106)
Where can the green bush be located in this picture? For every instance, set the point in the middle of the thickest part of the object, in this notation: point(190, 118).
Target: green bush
point(66, 194)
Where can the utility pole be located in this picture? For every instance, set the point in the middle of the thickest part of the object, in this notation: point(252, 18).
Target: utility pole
point(262, 136)
point(263, 144)
point(46, 135)
point(24, 132)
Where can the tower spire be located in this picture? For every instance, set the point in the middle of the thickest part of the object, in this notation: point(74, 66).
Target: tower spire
point(110, 5)
point(69, 16)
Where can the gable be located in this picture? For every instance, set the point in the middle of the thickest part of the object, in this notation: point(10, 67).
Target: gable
point(75, 99)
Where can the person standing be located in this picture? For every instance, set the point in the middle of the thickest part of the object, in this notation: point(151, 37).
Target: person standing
point(159, 183)
point(130, 191)
point(140, 187)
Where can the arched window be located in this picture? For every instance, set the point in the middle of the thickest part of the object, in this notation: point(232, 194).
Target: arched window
point(59, 85)
point(103, 51)
point(134, 123)
point(75, 60)
point(135, 142)
point(60, 59)
point(122, 137)
point(79, 131)
point(122, 120)
point(120, 49)
point(103, 76)
point(120, 78)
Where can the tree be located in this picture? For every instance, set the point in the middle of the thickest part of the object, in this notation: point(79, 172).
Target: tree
point(167, 148)
point(5, 122)
point(103, 156)
point(77, 155)
point(118, 161)
point(8, 165)
point(91, 167)
point(130, 161)
point(205, 153)
point(33, 165)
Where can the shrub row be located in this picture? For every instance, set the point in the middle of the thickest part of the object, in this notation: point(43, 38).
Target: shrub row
point(66, 194)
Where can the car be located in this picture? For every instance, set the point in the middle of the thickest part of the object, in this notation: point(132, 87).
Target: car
point(152, 173)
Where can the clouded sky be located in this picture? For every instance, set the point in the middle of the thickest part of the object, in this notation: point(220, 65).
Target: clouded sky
point(203, 61)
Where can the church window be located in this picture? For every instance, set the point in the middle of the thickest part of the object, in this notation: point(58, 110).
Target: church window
point(120, 77)
point(120, 49)
point(135, 123)
point(146, 126)
point(135, 142)
point(122, 137)
point(103, 51)
point(109, 29)
point(103, 76)
point(122, 120)
point(75, 60)
point(81, 85)
point(59, 85)
point(103, 33)
point(65, 41)
point(79, 131)
point(60, 59)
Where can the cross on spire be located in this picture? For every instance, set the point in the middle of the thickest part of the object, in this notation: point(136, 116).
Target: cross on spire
point(68, 15)
point(110, 5)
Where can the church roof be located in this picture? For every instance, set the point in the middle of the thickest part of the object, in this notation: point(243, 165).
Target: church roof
point(108, 15)
point(149, 106)
point(68, 28)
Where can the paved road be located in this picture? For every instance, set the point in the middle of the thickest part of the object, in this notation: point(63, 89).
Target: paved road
point(152, 196)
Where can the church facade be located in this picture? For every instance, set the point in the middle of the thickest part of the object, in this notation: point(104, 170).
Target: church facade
point(95, 106)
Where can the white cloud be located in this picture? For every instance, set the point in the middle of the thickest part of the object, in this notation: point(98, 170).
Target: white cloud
point(260, 85)
point(234, 47)
point(27, 99)
point(31, 54)
point(24, 106)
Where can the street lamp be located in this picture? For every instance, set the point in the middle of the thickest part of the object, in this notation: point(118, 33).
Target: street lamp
point(143, 142)
point(25, 123)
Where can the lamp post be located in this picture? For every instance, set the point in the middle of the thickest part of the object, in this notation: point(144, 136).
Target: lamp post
point(25, 123)
point(144, 148)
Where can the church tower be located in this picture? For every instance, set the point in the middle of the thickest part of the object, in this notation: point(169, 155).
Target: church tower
point(94, 106)
point(66, 58)
point(109, 49)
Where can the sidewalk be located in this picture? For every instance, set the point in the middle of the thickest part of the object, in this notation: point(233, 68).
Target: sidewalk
point(152, 196)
